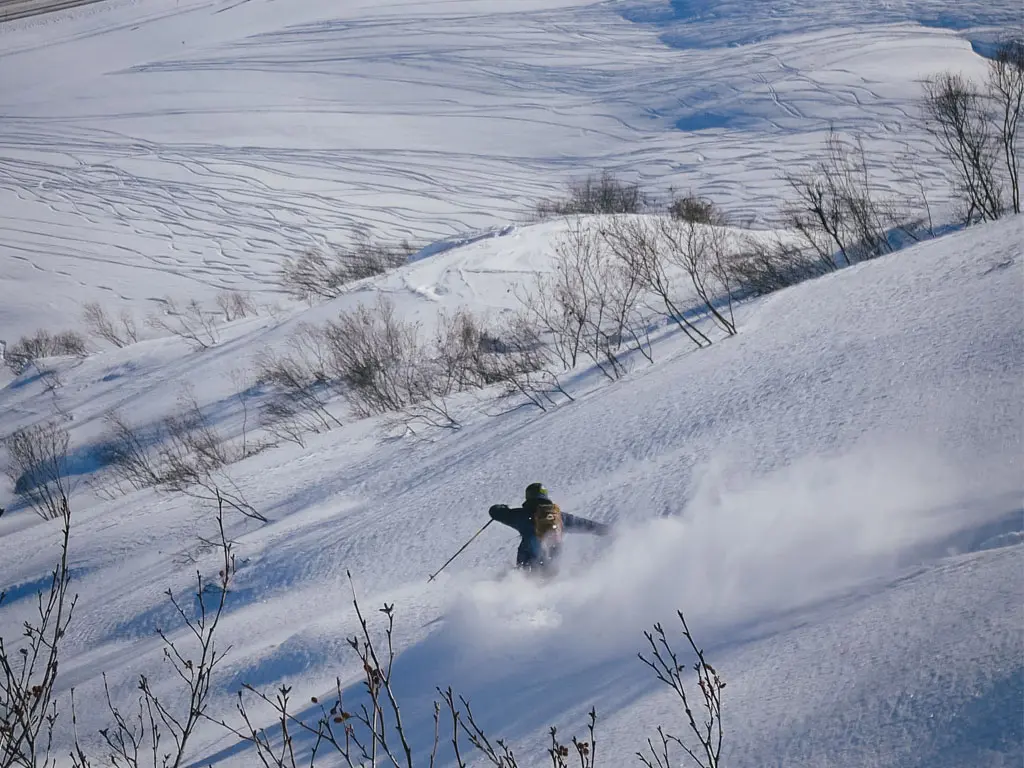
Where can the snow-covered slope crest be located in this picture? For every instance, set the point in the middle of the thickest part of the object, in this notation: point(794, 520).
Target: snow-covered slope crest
point(831, 493)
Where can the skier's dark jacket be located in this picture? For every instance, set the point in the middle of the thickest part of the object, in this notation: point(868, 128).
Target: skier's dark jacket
point(531, 553)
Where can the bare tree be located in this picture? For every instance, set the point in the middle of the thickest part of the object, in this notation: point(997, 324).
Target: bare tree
point(234, 305)
point(28, 668)
point(706, 727)
point(42, 343)
point(640, 246)
point(120, 333)
point(1006, 88)
point(191, 323)
point(700, 250)
point(956, 116)
point(38, 467)
point(837, 211)
point(591, 303)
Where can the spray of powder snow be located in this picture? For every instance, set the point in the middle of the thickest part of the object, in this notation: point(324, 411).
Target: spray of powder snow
point(745, 548)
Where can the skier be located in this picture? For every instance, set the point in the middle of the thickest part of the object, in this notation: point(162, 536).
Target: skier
point(541, 523)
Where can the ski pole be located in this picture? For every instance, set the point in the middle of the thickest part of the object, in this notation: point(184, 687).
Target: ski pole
point(460, 550)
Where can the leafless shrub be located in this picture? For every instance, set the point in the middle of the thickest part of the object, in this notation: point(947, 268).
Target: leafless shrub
point(837, 211)
point(374, 732)
point(451, 363)
point(274, 310)
point(374, 355)
point(182, 453)
point(459, 346)
point(38, 467)
point(302, 388)
point(664, 662)
point(590, 305)
point(323, 273)
point(120, 333)
point(243, 386)
point(234, 305)
point(382, 364)
point(386, 367)
point(130, 452)
point(1006, 88)
point(42, 344)
point(907, 167)
point(192, 449)
point(28, 668)
point(49, 377)
point(956, 115)
point(602, 193)
point(641, 247)
point(761, 267)
point(701, 251)
point(191, 323)
point(156, 732)
point(697, 210)
point(518, 359)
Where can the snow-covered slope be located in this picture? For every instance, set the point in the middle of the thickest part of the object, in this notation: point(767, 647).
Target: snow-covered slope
point(832, 496)
point(184, 146)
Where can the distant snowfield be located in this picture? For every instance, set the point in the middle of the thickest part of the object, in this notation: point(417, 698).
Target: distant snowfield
point(833, 496)
point(182, 147)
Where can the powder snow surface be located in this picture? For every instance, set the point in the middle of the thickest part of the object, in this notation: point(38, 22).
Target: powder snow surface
point(833, 496)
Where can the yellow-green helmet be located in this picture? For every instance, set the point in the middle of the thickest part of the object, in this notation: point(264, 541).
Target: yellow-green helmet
point(536, 491)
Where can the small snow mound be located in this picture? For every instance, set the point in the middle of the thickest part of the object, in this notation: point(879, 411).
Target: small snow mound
point(459, 241)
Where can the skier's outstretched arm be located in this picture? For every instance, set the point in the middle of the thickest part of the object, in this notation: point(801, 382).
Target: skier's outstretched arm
point(514, 518)
point(584, 525)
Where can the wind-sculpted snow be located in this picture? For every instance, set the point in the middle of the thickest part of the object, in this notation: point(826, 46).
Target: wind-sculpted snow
point(182, 148)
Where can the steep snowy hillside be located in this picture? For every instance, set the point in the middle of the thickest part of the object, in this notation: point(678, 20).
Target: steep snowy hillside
point(181, 147)
point(833, 496)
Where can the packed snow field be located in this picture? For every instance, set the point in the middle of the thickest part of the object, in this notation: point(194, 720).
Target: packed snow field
point(182, 146)
point(833, 495)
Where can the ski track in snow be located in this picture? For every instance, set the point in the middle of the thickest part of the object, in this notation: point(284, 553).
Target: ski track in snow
point(794, 523)
point(833, 496)
point(187, 148)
